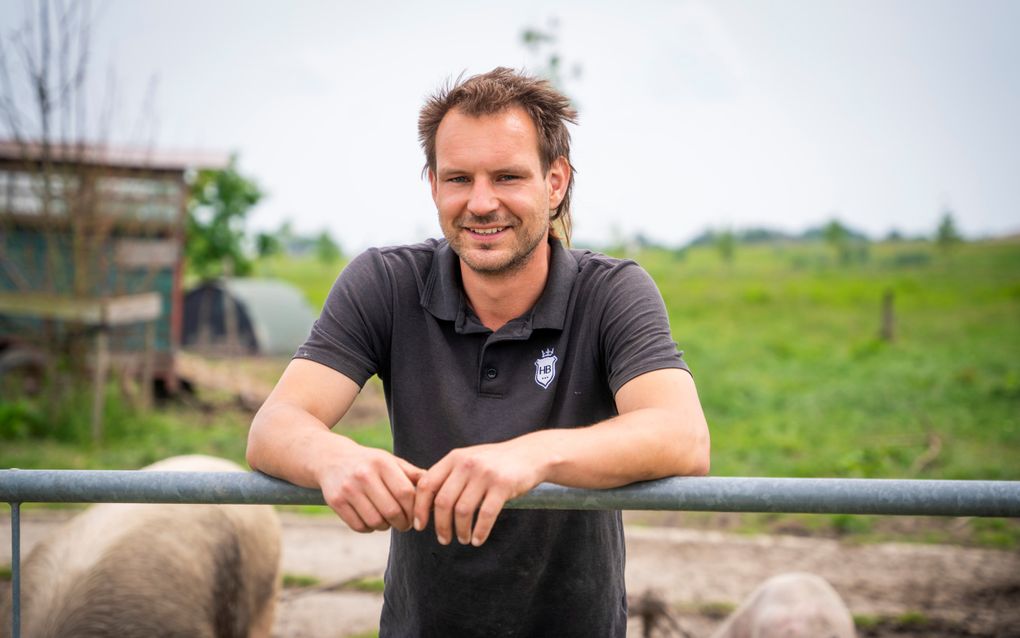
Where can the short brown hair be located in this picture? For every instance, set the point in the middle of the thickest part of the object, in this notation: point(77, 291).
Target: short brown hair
point(494, 92)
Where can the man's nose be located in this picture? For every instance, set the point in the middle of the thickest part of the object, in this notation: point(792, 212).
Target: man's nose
point(483, 198)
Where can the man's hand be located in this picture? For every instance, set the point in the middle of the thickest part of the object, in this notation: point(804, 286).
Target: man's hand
point(660, 431)
point(475, 480)
point(371, 489)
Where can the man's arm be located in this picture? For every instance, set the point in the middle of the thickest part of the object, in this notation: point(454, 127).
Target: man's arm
point(290, 438)
point(660, 431)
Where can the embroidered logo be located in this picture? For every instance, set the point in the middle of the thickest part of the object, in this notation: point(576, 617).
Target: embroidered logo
point(545, 368)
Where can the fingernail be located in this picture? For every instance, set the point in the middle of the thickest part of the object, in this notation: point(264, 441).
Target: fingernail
point(476, 542)
point(417, 524)
point(443, 540)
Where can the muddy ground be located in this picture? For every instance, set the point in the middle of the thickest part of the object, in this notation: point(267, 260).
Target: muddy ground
point(903, 590)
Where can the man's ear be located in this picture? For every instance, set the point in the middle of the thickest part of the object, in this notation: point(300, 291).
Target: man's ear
point(557, 179)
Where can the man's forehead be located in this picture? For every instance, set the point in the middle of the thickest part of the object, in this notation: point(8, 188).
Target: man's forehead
point(512, 120)
point(509, 127)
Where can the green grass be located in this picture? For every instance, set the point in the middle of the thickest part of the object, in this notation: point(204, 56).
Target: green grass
point(132, 438)
point(866, 621)
point(795, 381)
point(716, 609)
point(909, 622)
point(369, 585)
point(299, 580)
point(784, 344)
point(912, 619)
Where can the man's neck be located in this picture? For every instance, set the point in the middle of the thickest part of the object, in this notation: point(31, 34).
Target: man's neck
point(498, 298)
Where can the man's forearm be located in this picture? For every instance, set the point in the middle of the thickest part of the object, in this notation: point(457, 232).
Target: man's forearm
point(297, 451)
point(660, 431)
point(369, 489)
point(641, 445)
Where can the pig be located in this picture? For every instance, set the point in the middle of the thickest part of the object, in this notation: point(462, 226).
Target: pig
point(793, 605)
point(145, 570)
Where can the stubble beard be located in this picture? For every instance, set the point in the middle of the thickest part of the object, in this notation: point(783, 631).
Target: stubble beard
point(522, 250)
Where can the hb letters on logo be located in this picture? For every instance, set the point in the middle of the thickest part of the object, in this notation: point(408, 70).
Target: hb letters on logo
point(545, 368)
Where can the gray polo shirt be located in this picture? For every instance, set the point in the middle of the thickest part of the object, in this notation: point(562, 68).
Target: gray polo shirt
point(451, 382)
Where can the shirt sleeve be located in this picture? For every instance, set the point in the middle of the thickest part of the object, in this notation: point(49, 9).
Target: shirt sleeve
point(352, 333)
point(635, 331)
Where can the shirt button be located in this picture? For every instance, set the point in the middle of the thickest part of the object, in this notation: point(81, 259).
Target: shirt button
point(490, 373)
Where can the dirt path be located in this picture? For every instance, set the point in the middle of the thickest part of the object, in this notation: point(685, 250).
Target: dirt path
point(933, 590)
point(936, 590)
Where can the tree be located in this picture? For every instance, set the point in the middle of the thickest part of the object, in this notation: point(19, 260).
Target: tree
point(44, 70)
point(327, 250)
point(220, 201)
point(837, 236)
point(542, 44)
point(267, 245)
point(726, 244)
point(894, 235)
point(946, 235)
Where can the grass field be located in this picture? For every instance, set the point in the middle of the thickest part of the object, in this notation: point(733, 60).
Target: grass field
point(796, 382)
point(784, 344)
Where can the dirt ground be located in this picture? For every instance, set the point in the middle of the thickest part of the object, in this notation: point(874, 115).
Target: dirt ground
point(901, 590)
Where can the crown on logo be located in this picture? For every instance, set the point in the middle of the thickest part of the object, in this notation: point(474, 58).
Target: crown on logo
point(547, 353)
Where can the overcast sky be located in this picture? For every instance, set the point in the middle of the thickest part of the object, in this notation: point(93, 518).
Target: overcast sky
point(693, 114)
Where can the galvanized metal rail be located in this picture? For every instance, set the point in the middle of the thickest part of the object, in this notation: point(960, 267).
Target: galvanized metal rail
point(720, 494)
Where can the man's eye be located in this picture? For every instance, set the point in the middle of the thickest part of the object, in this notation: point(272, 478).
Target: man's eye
point(460, 179)
point(508, 178)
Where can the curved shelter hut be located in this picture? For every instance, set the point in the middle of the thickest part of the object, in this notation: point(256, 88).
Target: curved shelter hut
point(237, 317)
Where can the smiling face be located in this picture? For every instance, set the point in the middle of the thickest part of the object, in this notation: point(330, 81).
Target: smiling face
point(491, 193)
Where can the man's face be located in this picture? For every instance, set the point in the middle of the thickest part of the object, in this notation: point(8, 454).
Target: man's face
point(491, 193)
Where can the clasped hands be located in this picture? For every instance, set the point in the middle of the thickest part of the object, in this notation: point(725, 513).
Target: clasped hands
point(371, 489)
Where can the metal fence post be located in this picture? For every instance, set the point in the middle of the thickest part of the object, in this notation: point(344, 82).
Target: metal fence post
point(16, 570)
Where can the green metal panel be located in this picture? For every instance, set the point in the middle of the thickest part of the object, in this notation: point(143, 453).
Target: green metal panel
point(42, 262)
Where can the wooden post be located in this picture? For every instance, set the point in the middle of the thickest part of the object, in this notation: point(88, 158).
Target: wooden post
point(148, 363)
point(100, 366)
point(888, 332)
point(230, 312)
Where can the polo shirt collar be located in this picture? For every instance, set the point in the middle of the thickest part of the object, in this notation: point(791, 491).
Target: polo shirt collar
point(443, 294)
point(551, 309)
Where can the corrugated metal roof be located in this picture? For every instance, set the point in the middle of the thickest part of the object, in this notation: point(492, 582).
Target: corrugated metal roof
point(116, 156)
point(280, 316)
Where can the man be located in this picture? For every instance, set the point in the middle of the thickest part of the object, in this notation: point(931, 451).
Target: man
point(507, 360)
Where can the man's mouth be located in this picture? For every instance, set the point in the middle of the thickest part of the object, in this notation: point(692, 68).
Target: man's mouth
point(487, 231)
